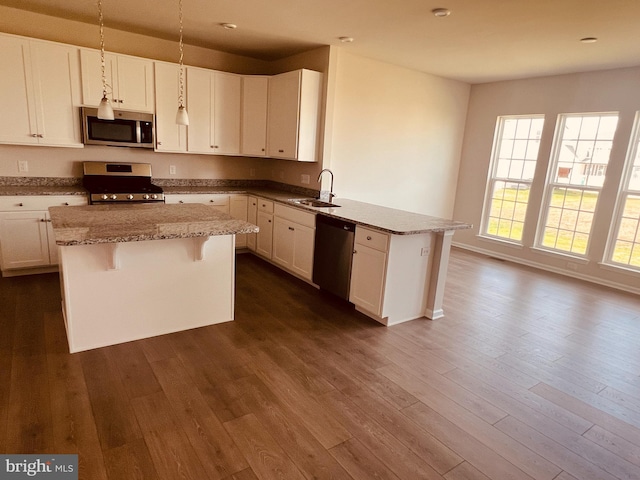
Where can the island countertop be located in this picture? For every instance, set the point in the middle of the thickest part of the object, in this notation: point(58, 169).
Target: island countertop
point(91, 224)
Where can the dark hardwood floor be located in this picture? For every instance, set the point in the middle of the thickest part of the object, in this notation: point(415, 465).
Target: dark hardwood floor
point(529, 376)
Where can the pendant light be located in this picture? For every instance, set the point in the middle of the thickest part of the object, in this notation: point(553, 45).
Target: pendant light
point(182, 118)
point(105, 111)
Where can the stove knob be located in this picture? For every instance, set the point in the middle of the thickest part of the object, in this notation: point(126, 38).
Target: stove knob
point(145, 196)
point(129, 197)
point(114, 197)
point(104, 197)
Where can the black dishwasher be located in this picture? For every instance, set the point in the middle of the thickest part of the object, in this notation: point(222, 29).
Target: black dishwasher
point(332, 255)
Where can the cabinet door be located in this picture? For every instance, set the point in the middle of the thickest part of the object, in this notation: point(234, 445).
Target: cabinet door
point(284, 103)
point(238, 210)
point(92, 77)
point(56, 80)
point(367, 278)
point(254, 115)
point(18, 119)
point(129, 80)
point(303, 245)
point(283, 242)
point(23, 239)
point(135, 84)
point(226, 113)
point(39, 86)
point(170, 137)
point(199, 101)
point(252, 217)
point(265, 235)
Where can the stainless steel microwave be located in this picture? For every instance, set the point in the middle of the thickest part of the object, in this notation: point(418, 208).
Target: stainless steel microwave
point(127, 129)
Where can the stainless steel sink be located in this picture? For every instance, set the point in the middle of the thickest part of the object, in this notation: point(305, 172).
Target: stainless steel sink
point(312, 202)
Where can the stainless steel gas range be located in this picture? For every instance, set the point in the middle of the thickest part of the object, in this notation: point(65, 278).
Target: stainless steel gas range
point(111, 183)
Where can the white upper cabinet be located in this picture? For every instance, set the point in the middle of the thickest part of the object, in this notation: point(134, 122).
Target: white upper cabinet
point(39, 93)
point(213, 103)
point(170, 137)
point(255, 89)
point(294, 112)
point(129, 79)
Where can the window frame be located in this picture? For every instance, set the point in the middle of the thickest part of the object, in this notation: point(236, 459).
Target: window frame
point(493, 178)
point(624, 191)
point(551, 184)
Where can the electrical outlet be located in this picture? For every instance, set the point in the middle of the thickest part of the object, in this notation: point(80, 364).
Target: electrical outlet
point(305, 179)
point(424, 252)
point(23, 166)
point(172, 169)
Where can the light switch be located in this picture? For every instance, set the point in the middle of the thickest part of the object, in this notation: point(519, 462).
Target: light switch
point(23, 166)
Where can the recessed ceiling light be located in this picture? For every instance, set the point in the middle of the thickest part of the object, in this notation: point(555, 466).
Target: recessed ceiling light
point(346, 39)
point(589, 40)
point(441, 12)
point(229, 26)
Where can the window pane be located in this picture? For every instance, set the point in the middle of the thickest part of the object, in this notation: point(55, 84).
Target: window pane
point(626, 248)
point(579, 166)
point(515, 156)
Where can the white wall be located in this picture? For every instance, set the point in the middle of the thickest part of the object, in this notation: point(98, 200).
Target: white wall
point(602, 91)
point(396, 135)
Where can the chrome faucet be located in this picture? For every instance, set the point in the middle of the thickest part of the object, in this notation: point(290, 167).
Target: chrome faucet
point(323, 193)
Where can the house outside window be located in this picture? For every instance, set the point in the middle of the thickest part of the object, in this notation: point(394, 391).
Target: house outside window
point(577, 171)
point(624, 246)
point(513, 163)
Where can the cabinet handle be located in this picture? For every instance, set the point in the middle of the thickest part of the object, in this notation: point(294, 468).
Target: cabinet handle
point(49, 220)
point(355, 251)
point(21, 204)
point(269, 221)
point(280, 151)
point(214, 146)
point(159, 143)
point(34, 135)
point(181, 201)
point(66, 204)
point(120, 101)
point(212, 201)
point(43, 220)
point(40, 135)
point(368, 237)
point(292, 229)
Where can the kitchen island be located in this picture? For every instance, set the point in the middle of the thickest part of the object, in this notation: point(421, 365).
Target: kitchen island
point(135, 271)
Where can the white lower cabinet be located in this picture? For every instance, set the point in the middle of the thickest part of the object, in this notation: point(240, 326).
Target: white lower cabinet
point(389, 276)
point(293, 240)
point(26, 236)
point(264, 220)
point(218, 200)
point(252, 217)
point(238, 210)
point(233, 205)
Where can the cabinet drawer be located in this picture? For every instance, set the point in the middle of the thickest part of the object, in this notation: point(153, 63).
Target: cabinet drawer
point(372, 238)
point(265, 205)
point(39, 202)
point(295, 215)
point(218, 199)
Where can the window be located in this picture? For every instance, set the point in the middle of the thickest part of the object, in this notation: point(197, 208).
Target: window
point(577, 172)
point(515, 152)
point(626, 245)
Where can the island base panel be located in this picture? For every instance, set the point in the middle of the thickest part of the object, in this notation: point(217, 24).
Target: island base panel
point(157, 287)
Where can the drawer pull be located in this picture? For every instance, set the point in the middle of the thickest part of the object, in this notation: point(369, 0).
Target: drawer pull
point(66, 204)
point(368, 237)
point(21, 204)
point(181, 201)
point(292, 229)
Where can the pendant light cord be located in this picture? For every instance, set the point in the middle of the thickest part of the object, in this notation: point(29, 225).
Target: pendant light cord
point(181, 79)
point(102, 62)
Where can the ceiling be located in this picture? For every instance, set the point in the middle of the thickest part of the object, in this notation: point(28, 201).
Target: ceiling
point(480, 41)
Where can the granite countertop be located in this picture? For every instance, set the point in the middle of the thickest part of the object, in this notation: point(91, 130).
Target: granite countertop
point(91, 224)
point(390, 220)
